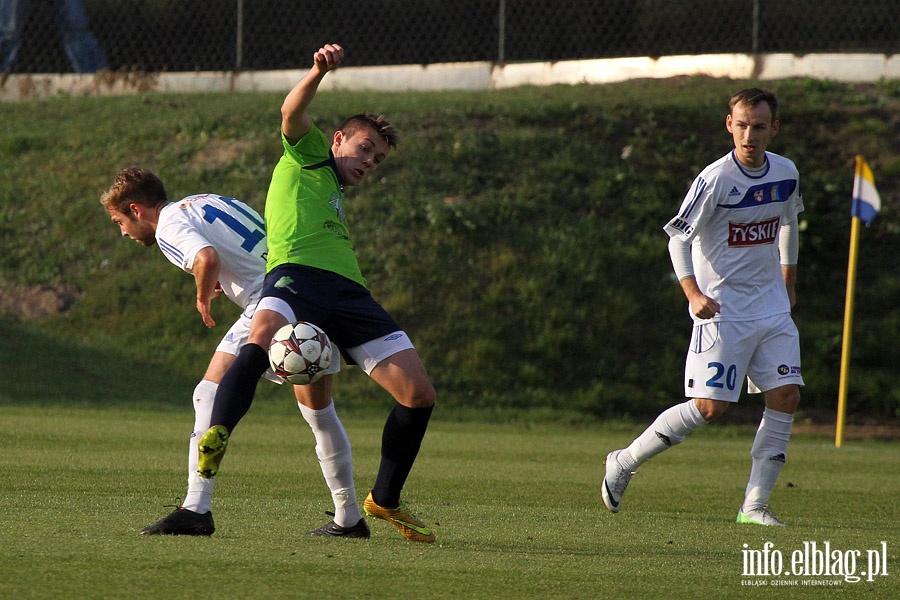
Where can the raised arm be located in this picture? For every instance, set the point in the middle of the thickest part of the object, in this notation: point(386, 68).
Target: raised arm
point(295, 121)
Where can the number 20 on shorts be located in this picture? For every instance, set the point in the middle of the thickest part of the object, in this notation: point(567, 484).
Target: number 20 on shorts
point(721, 371)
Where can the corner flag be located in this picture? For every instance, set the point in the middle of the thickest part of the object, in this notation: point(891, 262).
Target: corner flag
point(866, 201)
point(866, 204)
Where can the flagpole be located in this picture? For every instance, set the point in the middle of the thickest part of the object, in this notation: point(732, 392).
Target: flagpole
point(848, 332)
point(848, 312)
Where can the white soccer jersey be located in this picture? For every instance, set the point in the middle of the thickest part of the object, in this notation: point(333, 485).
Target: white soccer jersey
point(731, 218)
point(236, 231)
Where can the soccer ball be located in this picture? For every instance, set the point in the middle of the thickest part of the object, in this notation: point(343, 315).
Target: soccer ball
point(300, 353)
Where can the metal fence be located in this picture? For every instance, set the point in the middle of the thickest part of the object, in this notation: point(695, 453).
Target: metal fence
point(247, 35)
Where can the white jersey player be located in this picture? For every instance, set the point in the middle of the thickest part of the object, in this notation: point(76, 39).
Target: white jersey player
point(235, 230)
point(732, 219)
point(222, 243)
point(734, 246)
point(237, 233)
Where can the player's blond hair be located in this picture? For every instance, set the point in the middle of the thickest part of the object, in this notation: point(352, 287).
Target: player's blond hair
point(134, 185)
point(367, 120)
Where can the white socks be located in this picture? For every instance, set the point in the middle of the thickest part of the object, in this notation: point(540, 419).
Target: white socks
point(336, 461)
point(768, 453)
point(332, 450)
point(199, 494)
point(669, 429)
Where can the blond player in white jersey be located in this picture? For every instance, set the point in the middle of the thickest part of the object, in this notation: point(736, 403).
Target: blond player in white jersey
point(734, 246)
point(222, 243)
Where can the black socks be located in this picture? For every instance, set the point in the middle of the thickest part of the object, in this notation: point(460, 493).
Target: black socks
point(400, 443)
point(238, 386)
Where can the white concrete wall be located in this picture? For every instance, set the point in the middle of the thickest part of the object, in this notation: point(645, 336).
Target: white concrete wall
point(469, 76)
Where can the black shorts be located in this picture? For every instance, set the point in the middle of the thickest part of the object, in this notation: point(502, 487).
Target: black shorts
point(344, 309)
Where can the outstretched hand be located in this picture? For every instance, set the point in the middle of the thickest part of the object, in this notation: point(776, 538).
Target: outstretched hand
point(328, 57)
point(295, 121)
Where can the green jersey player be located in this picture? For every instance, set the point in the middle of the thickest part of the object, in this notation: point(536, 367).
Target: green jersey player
point(313, 275)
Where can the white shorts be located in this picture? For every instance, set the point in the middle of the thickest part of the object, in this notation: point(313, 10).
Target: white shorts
point(367, 355)
point(723, 353)
point(237, 336)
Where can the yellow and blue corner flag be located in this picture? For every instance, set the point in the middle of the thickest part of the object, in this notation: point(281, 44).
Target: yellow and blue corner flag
point(866, 201)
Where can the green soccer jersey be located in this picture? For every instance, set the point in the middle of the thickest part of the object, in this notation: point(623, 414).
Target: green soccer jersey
point(305, 223)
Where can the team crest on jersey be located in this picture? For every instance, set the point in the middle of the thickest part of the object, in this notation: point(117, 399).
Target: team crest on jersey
point(774, 193)
point(759, 195)
point(335, 203)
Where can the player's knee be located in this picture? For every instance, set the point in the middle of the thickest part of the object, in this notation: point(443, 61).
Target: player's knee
point(710, 409)
point(420, 395)
point(425, 396)
point(784, 399)
point(428, 396)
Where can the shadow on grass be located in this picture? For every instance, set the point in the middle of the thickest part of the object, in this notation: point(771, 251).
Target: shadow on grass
point(39, 370)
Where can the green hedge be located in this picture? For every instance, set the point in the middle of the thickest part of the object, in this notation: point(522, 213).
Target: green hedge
point(515, 234)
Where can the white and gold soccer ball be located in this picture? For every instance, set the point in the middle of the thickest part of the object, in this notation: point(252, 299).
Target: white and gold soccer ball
point(300, 353)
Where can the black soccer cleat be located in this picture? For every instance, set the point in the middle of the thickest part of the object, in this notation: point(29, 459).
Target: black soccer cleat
point(332, 529)
point(182, 522)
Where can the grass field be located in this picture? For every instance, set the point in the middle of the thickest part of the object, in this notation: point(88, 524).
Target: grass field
point(516, 509)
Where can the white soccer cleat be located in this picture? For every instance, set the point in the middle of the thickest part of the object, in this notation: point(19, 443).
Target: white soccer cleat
point(615, 482)
point(759, 516)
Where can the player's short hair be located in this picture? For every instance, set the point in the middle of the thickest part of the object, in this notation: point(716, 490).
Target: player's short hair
point(367, 120)
point(753, 96)
point(134, 185)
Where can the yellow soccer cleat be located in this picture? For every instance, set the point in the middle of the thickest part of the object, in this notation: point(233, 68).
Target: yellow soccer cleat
point(411, 527)
point(212, 449)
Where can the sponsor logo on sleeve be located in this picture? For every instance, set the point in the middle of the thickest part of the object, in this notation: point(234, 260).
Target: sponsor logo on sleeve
point(682, 226)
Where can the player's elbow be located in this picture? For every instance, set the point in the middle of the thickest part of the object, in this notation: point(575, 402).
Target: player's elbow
point(207, 259)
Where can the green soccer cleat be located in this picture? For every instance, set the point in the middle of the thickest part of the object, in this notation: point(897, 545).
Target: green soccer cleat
point(759, 516)
point(411, 527)
point(212, 448)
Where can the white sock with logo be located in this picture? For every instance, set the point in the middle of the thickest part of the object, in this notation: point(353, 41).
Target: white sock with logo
point(669, 428)
point(769, 454)
point(199, 493)
point(336, 461)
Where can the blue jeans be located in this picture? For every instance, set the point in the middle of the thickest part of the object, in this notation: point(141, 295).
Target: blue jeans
point(81, 46)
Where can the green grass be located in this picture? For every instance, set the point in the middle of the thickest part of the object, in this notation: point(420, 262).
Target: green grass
point(516, 509)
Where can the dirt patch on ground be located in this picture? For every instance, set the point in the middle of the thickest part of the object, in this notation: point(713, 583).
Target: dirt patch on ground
point(218, 153)
point(29, 303)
